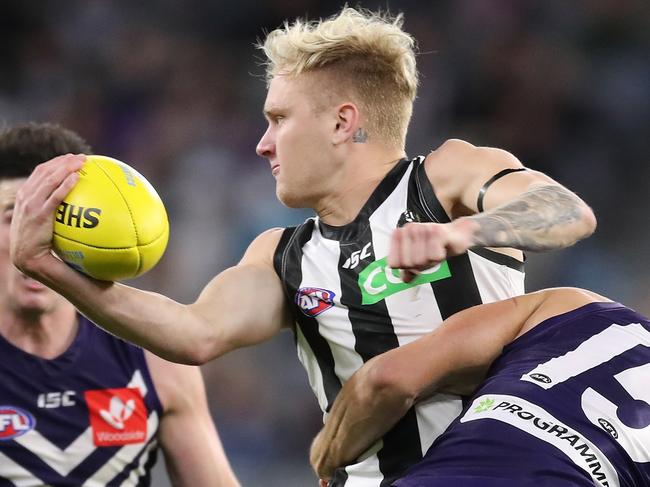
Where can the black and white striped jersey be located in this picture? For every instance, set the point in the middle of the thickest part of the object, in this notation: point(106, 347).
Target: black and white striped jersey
point(349, 306)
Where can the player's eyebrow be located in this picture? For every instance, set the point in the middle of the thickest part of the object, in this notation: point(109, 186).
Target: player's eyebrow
point(271, 111)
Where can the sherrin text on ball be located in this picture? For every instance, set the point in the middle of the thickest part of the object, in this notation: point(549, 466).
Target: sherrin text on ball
point(112, 225)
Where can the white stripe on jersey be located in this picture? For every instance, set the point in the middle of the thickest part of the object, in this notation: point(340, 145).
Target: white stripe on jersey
point(18, 475)
point(137, 382)
point(136, 473)
point(494, 281)
point(338, 331)
point(61, 461)
point(366, 473)
point(308, 360)
point(412, 316)
point(125, 455)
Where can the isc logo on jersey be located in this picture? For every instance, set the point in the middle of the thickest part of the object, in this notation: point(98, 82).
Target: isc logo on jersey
point(117, 416)
point(312, 301)
point(357, 256)
point(14, 422)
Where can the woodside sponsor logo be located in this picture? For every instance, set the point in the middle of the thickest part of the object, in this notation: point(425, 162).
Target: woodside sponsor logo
point(117, 416)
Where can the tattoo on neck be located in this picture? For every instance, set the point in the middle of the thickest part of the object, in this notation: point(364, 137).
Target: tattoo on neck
point(360, 136)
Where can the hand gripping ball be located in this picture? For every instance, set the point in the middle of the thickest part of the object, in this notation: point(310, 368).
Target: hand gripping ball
point(112, 225)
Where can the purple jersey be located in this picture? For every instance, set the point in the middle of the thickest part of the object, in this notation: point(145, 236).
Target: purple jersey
point(566, 404)
point(88, 417)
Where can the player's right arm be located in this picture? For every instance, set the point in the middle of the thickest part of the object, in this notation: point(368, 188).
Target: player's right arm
point(241, 306)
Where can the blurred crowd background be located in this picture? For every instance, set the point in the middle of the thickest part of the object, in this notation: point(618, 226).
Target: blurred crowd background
point(175, 88)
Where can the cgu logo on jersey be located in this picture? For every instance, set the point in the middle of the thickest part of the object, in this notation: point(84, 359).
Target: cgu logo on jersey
point(312, 301)
point(117, 416)
point(77, 216)
point(378, 280)
point(357, 256)
point(14, 422)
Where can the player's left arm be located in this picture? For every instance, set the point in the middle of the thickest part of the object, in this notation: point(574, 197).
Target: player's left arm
point(492, 201)
point(188, 437)
point(509, 205)
point(379, 394)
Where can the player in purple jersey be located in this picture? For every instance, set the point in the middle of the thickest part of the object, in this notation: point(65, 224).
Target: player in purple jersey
point(79, 406)
point(560, 397)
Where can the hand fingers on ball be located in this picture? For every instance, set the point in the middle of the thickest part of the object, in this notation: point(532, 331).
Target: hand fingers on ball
point(49, 176)
point(66, 163)
point(60, 192)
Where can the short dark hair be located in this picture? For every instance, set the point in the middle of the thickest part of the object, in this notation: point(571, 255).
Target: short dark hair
point(23, 147)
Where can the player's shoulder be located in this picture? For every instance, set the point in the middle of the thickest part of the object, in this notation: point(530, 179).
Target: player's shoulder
point(455, 154)
point(552, 302)
point(262, 249)
point(267, 240)
point(269, 237)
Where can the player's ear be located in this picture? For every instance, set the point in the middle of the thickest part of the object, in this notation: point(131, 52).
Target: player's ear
point(348, 119)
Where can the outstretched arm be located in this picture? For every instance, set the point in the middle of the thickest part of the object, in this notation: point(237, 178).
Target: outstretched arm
point(224, 317)
point(384, 389)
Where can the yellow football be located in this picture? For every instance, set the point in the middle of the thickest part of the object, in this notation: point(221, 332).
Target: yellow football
point(112, 225)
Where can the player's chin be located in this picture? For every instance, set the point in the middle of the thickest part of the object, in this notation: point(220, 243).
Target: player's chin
point(290, 199)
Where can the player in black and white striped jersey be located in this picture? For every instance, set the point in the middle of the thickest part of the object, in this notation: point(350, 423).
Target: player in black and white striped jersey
point(350, 306)
point(340, 96)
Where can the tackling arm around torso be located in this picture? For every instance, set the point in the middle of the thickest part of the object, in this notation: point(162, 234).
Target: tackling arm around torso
point(385, 388)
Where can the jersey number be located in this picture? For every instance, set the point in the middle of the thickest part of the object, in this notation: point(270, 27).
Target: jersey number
point(616, 419)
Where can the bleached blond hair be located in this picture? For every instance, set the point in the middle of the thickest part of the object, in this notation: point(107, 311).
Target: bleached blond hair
point(362, 54)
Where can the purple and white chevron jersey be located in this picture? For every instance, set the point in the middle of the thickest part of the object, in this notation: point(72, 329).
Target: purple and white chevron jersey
point(86, 418)
point(566, 404)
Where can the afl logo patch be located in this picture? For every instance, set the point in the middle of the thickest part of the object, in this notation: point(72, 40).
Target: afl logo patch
point(15, 422)
point(312, 301)
point(541, 378)
point(607, 426)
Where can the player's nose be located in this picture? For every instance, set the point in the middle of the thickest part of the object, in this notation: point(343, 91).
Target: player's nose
point(266, 145)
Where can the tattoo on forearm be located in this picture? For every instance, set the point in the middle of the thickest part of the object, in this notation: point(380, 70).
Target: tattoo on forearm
point(539, 219)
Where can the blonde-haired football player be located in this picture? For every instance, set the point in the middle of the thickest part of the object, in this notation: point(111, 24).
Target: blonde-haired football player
point(366, 57)
point(340, 95)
